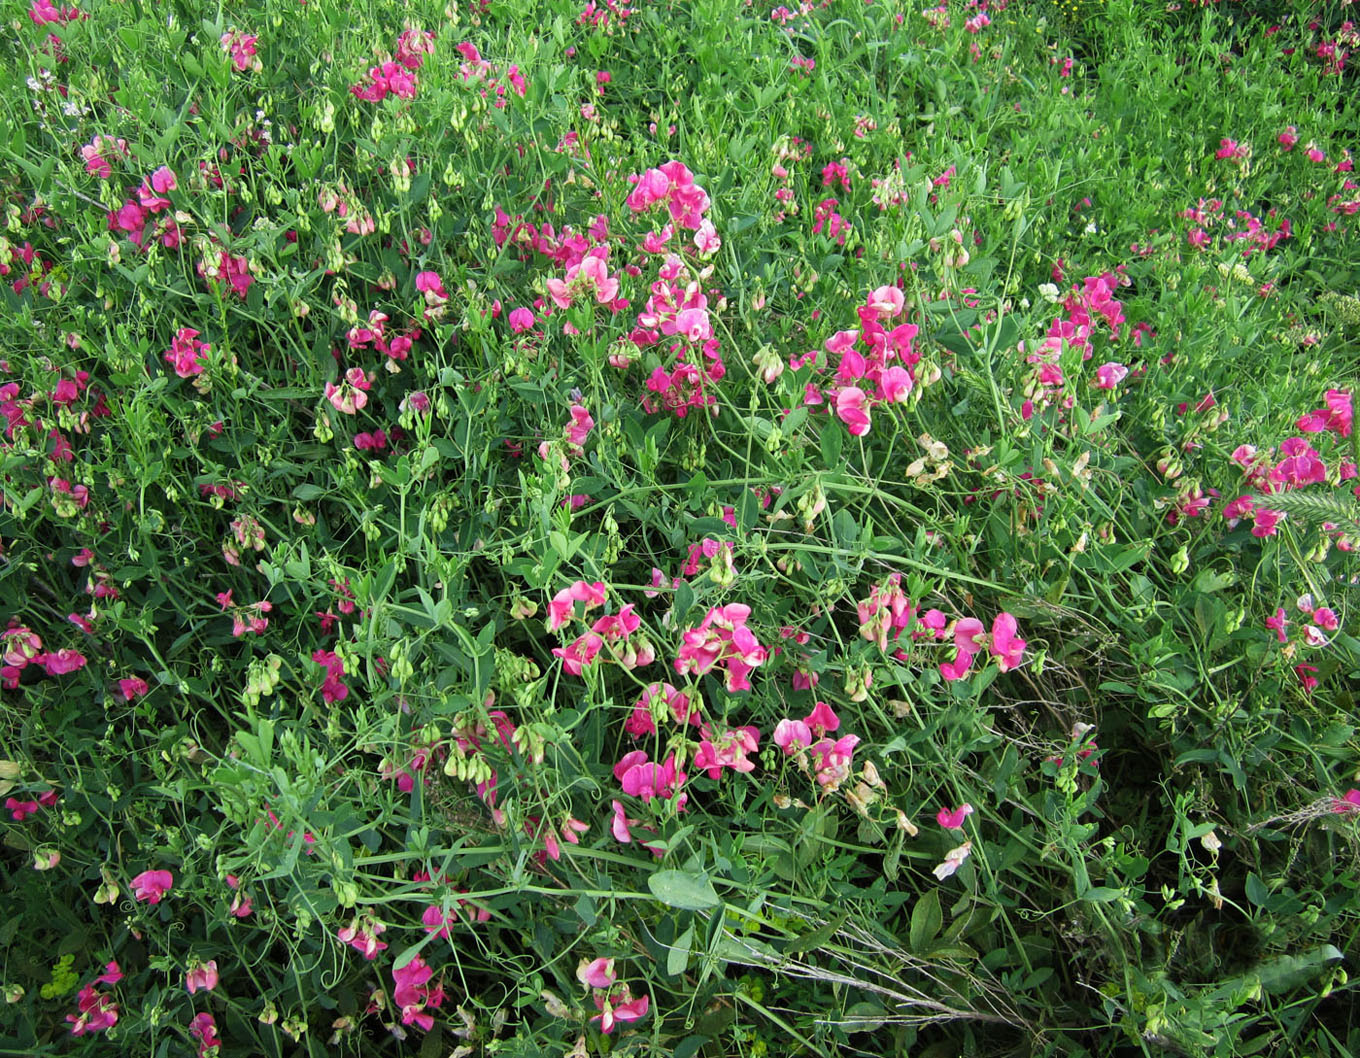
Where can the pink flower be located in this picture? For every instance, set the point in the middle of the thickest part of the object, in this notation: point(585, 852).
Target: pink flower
point(850, 409)
point(562, 606)
point(621, 823)
point(350, 396)
point(953, 820)
point(363, 937)
point(579, 654)
point(792, 735)
point(614, 1011)
point(966, 634)
point(1277, 624)
point(521, 319)
point(187, 355)
point(895, 384)
point(886, 301)
point(822, 719)
point(1005, 646)
point(598, 973)
point(150, 886)
point(413, 993)
point(202, 975)
point(111, 975)
point(1266, 522)
point(204, 1029)
point(1349, 802)
point(1110, 375)
point(1288, 138)
point(132, 687)
point(97, 1012)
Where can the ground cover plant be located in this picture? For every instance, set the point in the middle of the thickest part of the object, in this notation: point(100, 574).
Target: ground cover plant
point(691, 529)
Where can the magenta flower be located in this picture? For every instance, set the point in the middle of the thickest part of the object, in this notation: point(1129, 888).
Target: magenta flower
point(850, 408)
point(1110, 375)
point(967, 631)
point(953, 820)
point(203, 1028)
point(1348, 802)
point(413, 993)
point(97, 1012)
point(722, 638)
point(619, 1006)
point(561, 607)
point(579, 654)
point(1006, 647)
point(150, 886)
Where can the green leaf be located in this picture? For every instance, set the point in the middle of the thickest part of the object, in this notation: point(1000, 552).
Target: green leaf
point(687, 890)
point(677, 959)
point(833, 436)
point(926, 920)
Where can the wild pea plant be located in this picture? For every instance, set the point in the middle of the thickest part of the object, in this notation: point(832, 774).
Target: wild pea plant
point(541, 528)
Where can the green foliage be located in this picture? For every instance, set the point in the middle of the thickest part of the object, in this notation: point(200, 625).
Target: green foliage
point(326, 455)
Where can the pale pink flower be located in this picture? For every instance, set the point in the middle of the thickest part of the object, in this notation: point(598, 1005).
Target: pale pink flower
point(953, 860)
point(597, 973)
point(201, 975)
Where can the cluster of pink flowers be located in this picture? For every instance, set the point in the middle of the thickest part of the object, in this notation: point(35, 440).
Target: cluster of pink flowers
point(94, 155)
point(1243, 226)
point(722, 638)
point(247, 618)
point(397, 78)
point(414, 995)
point(351, 394)
point(831, 759)
point(362, 935)
point(97, 1010)
point(618, 631)
point(591, 279)
point(21, 810)
point(219, 265)
point(374, 332)
point(871, 356)
point(240, 48)
point(134, 218)
point(333, 688)
point(642, 778)
point(970, 639)
point(1086, 308)
point(672, 185)
point(825, 217)
point(23, 647)
point(1320, 623)
point(1301, 465)
point(187, 355)
point(203, 1028)
point(474, 70)
point(614, 1000)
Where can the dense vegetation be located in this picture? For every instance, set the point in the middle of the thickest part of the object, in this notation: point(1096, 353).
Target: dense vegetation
point(679, 528)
